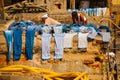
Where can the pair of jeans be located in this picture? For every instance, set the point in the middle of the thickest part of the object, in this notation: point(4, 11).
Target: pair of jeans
point(17, 44)
point(59, 45)
point(46, 46)
point(9, 37)
point(95, 11)
point(89, 11)
point(29, 44)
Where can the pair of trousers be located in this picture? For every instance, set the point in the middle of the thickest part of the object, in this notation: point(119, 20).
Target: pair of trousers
point(46, 46)
point(82, 40)
point(9, 37)
point(59, 45)
point(68, 40)
point(29, 44)
point(17, 44)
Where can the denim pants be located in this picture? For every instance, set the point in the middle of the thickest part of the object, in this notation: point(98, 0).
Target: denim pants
point(29, 44)
point(59, 47)
point(17, 35)
point(46, 46)
point(8, 36)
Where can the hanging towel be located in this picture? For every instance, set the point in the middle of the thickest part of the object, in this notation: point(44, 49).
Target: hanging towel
point(29, 44)
point(68, 40)
point(59, 41)
point(106, 36)
point(46, 46)
point(8, 36)
point(82, 40)
point(17, 35)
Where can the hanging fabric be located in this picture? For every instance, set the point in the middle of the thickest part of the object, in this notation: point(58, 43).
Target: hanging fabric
point(68, 40)
point(29, 44)
point(59, 41)
point(17, 35)
point(82, 40)
point(46, 46)
point(9, 37)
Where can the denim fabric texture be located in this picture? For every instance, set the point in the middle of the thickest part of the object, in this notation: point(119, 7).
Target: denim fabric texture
point(104, 27)
point(74, 27)
point(29, 44)
point(17, 44)
point(95, 11)
point(9, 38)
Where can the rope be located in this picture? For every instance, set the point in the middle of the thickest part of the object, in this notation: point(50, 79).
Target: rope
point(47, 74)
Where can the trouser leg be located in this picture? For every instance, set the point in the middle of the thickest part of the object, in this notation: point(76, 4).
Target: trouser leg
point(8, 36)
point(59, 41)
point(17, 44)
point(46, 46)
point(29, 44)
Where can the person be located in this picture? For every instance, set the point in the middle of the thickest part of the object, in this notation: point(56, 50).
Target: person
point(75, 17)
point(82, 19)
point(78, 18)
point(49, 21)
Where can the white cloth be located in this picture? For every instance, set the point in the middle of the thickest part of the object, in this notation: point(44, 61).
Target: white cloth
point(105, 36)
point(57, 29)
point(104, 10)
point(68, 40)
point(82, 40)
point(83, 29)
point(99, 11)
point(59, 46)
point(46, 45)
point(92, 34)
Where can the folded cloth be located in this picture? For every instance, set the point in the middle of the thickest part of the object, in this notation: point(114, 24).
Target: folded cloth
point(68, 40)
point(82, 40)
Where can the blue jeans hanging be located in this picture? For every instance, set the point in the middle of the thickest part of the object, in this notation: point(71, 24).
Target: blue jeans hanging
point(17, 34)
point(29, 44)
point(8, 36)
